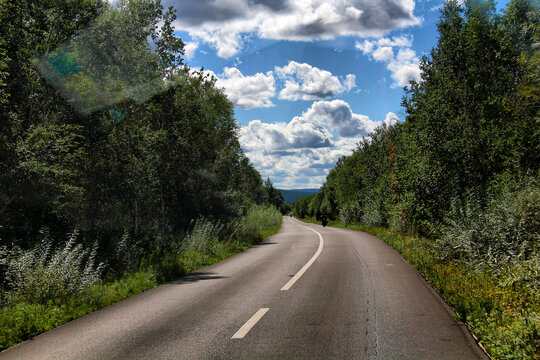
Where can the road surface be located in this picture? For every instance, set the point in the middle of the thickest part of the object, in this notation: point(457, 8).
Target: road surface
point(306, 293)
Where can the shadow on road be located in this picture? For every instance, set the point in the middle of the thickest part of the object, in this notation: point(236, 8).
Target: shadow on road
point(197, 276)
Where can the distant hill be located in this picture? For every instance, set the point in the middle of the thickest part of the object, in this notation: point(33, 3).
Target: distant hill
point(291, 195)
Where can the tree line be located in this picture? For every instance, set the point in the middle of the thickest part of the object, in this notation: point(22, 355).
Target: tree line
point(463, 166)
point(105, 132)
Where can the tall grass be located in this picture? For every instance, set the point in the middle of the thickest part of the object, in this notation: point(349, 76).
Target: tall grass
point(258, 220)
point(209, 238)
point(46, 274)
point(502, 237)
point(504, 316)
point(128, 254)
point(203, 237)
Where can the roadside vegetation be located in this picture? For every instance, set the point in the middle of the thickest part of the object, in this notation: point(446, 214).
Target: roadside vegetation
point(120, 167)
point(454, 187)
point(50, 286)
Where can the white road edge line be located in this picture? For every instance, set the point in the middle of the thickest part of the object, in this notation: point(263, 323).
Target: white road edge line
point(295, 278)
point(250, 323)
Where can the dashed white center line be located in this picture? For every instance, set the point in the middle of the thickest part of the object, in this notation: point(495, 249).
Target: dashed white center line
point(259, 314)
point(250, 323)
point(295, 278)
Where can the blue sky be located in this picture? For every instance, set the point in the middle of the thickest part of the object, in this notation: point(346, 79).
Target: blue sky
point(308, 78)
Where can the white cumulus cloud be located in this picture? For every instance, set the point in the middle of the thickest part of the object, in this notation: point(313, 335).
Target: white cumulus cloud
point(350, 82)
point(297, 81)
point(404, 71)
point(297, 134)
point(306, 82)
point(404, 67)
point(400, 41)
point(247, 92)
point(190, 48)
point(224, 23)
point(383, 53)
point(366, 47)
point(309, 145)
point(391, 119)
point(339, 117)
point(406, 55)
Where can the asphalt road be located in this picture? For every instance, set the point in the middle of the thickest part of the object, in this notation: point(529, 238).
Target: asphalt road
point(356, 298)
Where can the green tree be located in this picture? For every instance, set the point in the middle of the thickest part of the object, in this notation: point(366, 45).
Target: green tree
point(273, 195)
point(29, 29)
point(249, 183)
point(301, 206)
point(461, 129)
point(472, 117)
point(154, 146)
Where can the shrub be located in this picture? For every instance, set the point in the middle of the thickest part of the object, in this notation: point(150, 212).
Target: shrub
point(395, 220)
point(350, 213)
point(128, 253)
point(372, 214)
point(259, 217)
point(499, 234)
point(202, 238)
point(46, 274)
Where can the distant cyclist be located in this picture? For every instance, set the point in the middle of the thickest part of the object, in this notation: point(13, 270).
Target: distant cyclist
point(324, 220)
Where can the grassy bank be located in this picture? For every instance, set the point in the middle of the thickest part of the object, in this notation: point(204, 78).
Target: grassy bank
point(503, 314)
point(22, 316)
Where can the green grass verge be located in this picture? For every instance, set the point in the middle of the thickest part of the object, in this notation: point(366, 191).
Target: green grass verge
point(265, 233)
point(504, 318)
point(22, 320)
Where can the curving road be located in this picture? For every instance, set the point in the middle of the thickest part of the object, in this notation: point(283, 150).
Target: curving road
point(307, 292)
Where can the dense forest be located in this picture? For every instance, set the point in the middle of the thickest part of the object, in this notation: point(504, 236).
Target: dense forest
point(114, 156)
point(463, 166)
point(104, 166)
